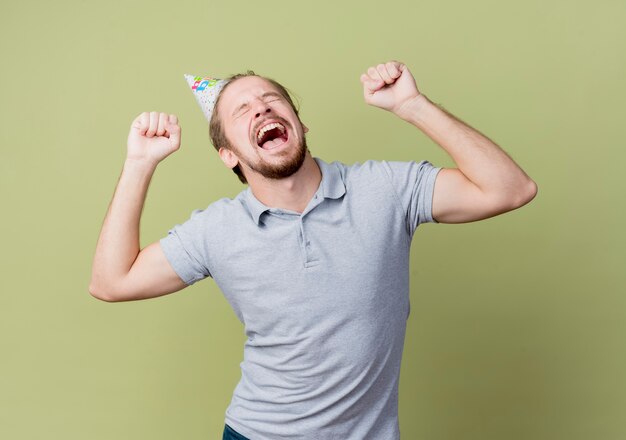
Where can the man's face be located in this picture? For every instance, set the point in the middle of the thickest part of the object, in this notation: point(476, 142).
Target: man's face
point(263, 130)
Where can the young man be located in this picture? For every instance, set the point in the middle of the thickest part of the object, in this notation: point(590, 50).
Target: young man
point(312, 256)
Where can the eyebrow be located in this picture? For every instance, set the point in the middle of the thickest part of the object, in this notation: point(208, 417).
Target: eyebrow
point(264, 95)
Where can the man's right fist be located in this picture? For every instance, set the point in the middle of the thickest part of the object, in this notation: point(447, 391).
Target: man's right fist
point(153, 136)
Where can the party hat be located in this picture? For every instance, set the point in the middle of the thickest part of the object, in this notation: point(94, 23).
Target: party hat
point(206, 91)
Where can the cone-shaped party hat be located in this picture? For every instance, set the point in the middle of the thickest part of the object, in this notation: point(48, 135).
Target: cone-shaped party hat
point(206, 90)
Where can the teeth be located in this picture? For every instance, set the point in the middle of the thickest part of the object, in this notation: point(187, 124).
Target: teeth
point(269, 127)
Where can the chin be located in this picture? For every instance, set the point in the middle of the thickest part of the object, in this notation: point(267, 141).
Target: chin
point(285, 169)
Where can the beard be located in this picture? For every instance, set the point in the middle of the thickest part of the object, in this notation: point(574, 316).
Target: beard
point(285, 168)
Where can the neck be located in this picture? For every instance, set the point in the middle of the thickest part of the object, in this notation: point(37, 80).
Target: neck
point(292, 193)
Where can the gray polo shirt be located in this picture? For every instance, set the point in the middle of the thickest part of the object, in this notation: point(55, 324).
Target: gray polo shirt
point(323, 296)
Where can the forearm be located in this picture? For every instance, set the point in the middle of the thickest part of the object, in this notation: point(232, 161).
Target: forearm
point(118, 244)
point(482, 161)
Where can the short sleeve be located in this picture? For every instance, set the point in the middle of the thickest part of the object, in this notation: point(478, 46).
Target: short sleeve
point(185, 249)
point(414, 184)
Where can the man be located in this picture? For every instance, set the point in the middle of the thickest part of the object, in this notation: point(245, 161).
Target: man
point(313, 257)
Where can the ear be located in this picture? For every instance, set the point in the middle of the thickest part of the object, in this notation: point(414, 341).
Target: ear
point(305, 128)
point(229, 158)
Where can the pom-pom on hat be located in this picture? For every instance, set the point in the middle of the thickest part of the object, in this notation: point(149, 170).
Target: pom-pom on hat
point(206, 91)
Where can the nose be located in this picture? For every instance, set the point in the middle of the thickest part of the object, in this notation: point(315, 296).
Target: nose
point(261, 110)
point(260, 107)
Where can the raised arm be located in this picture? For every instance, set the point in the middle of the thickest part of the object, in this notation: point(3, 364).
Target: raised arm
point(120, 271)
point(487, 181)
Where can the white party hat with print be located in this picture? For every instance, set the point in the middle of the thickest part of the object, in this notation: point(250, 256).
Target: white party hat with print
point(206, 91)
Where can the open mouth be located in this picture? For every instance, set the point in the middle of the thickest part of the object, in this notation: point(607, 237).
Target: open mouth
point(271, 136)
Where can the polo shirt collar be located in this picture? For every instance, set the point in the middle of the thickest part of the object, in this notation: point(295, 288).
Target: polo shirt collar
point(331, 187)
point(332, 184)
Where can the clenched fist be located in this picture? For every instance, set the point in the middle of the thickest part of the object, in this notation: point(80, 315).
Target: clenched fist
point(153, 136)
point(389, 86)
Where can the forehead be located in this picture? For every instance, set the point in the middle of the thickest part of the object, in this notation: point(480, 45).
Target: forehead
point(243, 90)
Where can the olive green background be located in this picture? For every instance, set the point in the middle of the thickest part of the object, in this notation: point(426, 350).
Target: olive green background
point(518, 323)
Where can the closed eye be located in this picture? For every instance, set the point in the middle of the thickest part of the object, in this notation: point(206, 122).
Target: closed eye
point(243, 109)
point(272, 100)
point(241, 113)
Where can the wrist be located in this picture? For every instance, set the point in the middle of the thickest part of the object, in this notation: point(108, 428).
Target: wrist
point(411, 110)
point(140, 165)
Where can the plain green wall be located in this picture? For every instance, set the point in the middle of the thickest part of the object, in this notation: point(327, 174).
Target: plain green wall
point(518, 323)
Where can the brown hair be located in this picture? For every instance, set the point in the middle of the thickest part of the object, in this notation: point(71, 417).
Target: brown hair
point(216, 130)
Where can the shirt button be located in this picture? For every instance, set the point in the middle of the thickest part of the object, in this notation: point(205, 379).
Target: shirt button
point(308, 243)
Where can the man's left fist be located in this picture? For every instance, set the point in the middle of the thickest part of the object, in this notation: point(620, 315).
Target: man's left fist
point(389, 86)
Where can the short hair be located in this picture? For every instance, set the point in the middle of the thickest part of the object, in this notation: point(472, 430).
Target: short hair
point(216, 129)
